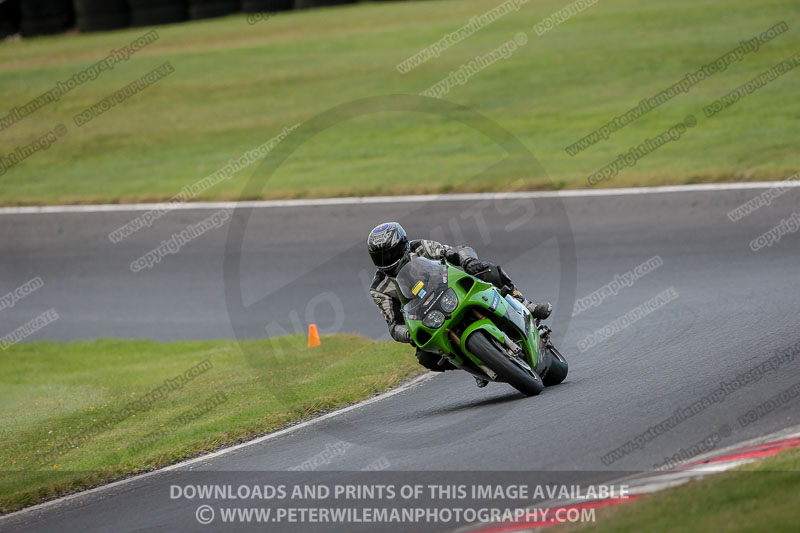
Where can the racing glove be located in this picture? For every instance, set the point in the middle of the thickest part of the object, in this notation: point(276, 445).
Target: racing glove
point(401, 334)
point(475, 266)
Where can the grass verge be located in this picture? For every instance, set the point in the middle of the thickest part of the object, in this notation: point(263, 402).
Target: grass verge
point(237, 85)
point(759, 496)
point(79, 414)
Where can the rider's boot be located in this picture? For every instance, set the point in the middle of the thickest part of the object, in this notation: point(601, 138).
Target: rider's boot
point(481, 383)
point(539, 311)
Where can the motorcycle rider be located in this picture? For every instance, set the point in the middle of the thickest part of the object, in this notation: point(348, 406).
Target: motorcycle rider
point(390, 250)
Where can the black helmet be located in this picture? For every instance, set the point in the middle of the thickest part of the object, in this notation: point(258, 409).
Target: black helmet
point(388, 247)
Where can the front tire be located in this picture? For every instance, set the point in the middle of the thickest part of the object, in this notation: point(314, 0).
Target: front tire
point(480, 344)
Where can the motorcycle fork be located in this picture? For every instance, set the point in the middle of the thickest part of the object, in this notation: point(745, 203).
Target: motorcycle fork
point(516, 350)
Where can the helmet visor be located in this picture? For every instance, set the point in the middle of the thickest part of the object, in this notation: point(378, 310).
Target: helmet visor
point(389, 257)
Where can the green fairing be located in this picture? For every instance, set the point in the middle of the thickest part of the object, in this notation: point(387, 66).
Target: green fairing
point(480, 295)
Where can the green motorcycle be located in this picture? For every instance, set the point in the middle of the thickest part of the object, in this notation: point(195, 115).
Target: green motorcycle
point(477, 327)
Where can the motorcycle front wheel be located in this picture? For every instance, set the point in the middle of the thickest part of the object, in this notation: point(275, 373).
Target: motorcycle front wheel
point(483, 346)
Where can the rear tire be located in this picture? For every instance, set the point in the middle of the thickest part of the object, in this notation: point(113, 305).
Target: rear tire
point(480, 344)
point(558, 368)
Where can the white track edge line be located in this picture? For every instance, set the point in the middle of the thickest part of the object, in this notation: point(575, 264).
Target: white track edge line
point(657, 482)
point(367, 200)
point(223, 451)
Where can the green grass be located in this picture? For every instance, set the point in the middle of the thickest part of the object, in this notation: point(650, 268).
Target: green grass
point(54, 395)
point(237, 85)
point(760, 496)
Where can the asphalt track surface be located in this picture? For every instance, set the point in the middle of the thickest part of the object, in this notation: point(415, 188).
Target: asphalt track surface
point(735, 308)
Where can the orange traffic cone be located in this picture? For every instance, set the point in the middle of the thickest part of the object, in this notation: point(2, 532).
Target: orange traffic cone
point(313, 336)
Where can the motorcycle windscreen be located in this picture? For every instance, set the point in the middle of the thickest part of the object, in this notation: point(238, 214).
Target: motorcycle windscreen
point(516, 314)
point(419, 282)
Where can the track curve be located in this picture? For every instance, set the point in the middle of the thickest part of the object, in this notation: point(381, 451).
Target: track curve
point(734, 308)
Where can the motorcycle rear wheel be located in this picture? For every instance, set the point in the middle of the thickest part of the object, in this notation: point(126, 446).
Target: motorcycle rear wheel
point(558, 368)
point(483, 346)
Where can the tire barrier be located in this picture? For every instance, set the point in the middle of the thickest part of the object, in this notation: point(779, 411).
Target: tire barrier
point(305, 4)
point(153, 12)
point(9, 18)
point(43, 17)
point(203, 9)
point(101, 15)
point(266, 6)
